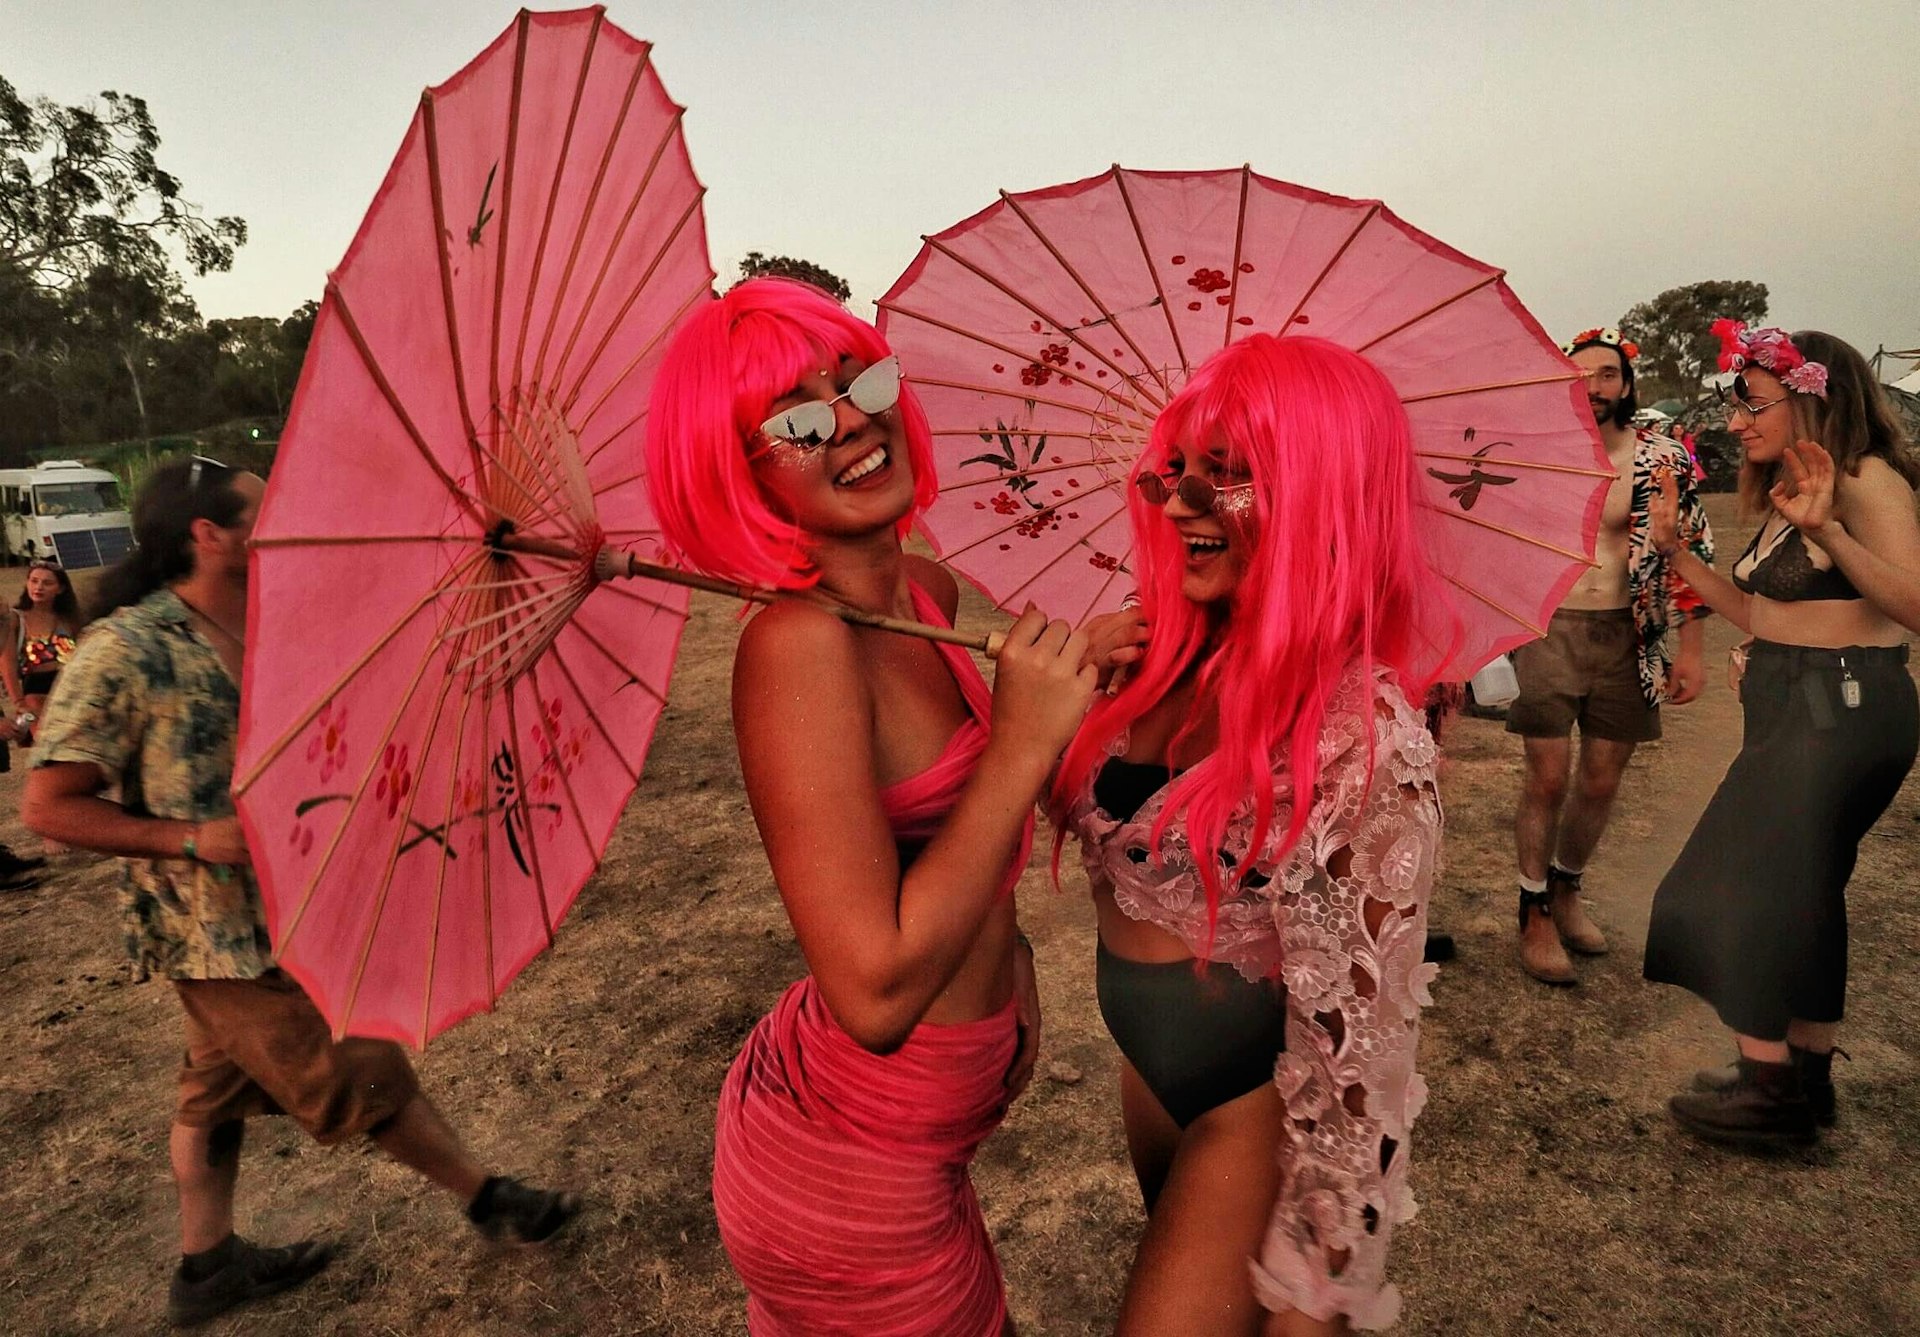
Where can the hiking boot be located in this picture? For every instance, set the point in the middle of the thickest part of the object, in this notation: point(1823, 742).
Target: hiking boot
point(1541, 954)
point(516, 1213)
point(249, 1271)
point(19, 881)
point(1816, 1080)
point(1764, 1106)
point(1570, 916)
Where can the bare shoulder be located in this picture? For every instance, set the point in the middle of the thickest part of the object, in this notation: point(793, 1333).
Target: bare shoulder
point(791, 640)
point(1877, 496)
point(1877, 477)
point(936, 580)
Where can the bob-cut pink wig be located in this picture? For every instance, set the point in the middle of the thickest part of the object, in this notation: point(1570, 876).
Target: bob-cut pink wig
point(1340, 574)
point(717, 384)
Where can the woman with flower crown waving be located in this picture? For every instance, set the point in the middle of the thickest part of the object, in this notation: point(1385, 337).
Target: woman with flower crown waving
point(1259, 823)
point(1753, 915)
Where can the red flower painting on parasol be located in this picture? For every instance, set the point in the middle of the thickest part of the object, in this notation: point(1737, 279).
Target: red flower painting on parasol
point(1045, 333)
point(445, 709)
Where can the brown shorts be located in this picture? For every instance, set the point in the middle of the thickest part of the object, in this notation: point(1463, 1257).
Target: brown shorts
point(1584, 672)
point(261, 1047)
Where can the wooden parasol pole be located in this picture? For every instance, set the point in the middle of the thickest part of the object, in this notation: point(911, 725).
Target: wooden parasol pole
point(614, 563)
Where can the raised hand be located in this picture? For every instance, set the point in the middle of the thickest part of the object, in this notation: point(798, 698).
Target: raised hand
point(1663, 514)
point(1805, 495)
point(1115, 642)
point(1042, 684)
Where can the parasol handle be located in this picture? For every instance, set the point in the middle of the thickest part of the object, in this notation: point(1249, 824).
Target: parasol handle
point(610, 563)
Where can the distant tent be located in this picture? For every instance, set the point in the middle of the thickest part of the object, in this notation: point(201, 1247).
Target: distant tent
point(1887, 363)
point(1906, 403)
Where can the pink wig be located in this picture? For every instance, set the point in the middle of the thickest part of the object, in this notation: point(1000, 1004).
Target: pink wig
point(1340, 573)
point(717, 384)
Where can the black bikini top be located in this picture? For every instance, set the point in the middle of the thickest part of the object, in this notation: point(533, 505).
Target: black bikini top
point(1787, 573)
point(1123, 787)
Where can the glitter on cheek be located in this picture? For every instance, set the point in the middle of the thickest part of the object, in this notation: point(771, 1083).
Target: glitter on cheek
point(790, 457)
point(1236, 507)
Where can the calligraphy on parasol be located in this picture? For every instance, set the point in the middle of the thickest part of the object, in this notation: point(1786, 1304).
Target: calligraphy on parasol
point(445, 709)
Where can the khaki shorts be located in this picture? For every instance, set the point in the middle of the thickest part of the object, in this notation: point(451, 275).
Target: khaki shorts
point(261, 1047)
point(1585, 671)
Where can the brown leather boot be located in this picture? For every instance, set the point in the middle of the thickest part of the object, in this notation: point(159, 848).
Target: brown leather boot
point(1541, 954)
point(1569, 916)
point(1766, 1105)
point(1816, 1080)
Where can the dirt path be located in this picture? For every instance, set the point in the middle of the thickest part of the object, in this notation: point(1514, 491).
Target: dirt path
point(1555, 1194)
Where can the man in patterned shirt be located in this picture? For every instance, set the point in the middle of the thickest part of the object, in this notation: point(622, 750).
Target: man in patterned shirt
point(150, 704)
point(1603, 665)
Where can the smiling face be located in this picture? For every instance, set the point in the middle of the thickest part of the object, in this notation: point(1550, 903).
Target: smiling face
point(1763, 422)
point(857, 481)
point(1218, 540)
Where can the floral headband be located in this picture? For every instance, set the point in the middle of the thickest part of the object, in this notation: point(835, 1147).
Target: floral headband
point(1605, 336)
point(1770, 349)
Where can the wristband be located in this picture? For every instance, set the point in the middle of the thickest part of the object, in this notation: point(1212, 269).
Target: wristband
point(188, 847)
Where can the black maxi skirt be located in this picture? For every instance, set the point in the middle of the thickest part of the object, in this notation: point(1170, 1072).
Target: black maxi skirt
point(1753, 915)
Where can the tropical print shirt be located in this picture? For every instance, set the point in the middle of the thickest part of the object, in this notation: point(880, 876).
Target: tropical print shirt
point(147, 700)
point(1658, 597)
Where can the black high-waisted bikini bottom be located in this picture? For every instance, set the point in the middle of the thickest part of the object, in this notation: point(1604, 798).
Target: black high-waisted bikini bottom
point(1199, 1037)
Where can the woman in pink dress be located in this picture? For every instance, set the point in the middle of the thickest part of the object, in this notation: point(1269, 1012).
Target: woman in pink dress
point(1259, 824)
point(783, 450)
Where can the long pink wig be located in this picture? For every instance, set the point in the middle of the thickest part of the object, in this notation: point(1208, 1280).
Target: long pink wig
point(1340, 573)
point(717, 384)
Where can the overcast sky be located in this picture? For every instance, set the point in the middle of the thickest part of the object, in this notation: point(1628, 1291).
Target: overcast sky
point(1598, 152)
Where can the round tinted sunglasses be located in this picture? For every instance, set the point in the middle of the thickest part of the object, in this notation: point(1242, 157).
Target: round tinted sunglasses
point(874, 390)
point(1199, 494)
point(1739, 399)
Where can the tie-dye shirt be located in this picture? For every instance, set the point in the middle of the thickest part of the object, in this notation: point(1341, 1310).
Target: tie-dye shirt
point(146, 699)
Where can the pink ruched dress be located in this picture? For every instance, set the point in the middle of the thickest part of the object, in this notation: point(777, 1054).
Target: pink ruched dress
point(840, 1176)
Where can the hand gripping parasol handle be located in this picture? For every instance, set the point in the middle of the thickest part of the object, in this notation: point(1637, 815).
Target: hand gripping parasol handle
point(610, 563)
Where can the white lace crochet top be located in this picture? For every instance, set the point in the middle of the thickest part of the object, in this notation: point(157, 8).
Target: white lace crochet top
point(1368, 854)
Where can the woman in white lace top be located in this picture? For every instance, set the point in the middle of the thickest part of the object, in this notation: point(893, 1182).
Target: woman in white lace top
point(1260, 956)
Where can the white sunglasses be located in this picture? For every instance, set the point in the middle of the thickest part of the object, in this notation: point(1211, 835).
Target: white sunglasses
point(874, 390)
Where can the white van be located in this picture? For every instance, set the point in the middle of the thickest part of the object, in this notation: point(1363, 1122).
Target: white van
point(64, 510)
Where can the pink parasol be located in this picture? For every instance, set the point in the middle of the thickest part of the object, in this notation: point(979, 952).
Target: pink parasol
point(1045, 333)
point(445, 710)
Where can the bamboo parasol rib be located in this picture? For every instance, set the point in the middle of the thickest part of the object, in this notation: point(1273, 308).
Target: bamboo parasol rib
point(1108, 316)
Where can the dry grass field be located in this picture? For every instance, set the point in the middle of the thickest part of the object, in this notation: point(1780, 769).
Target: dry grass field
point(1555, 1194)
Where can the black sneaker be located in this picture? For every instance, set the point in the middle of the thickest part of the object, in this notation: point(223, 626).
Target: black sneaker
point(251, 1272)
point(12, 864)
point(1439, 947)
point(19, 881)
point(1765, 1105)
point(515, 1213)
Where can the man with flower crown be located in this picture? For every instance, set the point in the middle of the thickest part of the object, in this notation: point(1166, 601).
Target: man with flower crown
point(1604, 665)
